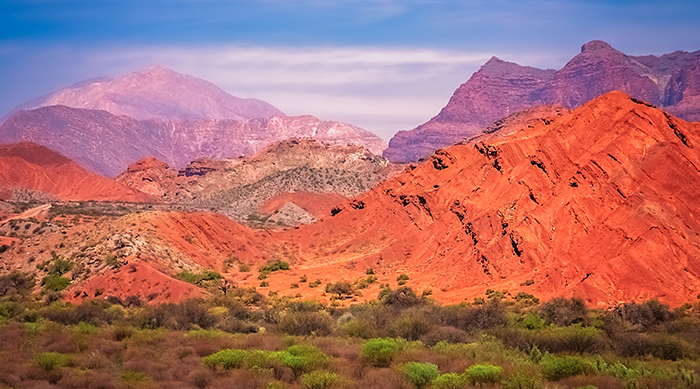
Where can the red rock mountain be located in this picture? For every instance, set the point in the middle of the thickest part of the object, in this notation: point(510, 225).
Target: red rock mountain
point(156, 93)
point(107, 144)
point(600, 203)
point(29, 167)
point(500, 88)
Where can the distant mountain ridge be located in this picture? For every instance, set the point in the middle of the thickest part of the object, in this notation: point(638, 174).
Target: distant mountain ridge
point(155, 93)
point(108, 144)
point(500, 88)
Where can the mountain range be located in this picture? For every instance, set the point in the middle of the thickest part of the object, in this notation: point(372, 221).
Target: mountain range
point(599, 202)
point(179, 119)
point(500, 88)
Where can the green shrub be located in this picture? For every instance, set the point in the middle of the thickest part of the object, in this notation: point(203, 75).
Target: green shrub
point(306, 323)
point(365, 282)
point(243, 268)
point(111, 260)
point(484, 373)
point(520, 381)
point(341, 288)
point(198, 278)
point(85, 328)
point(450, 381)
point(303, 359)
point(318, 380)
point(51, 361)
point(226, 359)
point(379, 352)
point(532, 321)
point(402, 279)
point(420, 374)
point(59, 266)
point(315, 284)
point(555, 368)
point(135, 378)
point(261, 359)
point(274, 266)
point(55, 283)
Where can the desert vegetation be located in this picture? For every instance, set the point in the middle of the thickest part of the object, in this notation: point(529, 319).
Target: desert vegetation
point(400, 340)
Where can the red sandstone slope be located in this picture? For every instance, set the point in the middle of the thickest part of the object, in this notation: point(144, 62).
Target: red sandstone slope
point(500, 88)
point(32, 167)
point(601, 202)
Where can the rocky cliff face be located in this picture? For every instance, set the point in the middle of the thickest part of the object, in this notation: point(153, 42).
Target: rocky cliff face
point(47, 175)
point(108, 144)
point(156, 93)
point(600, 203)
point(500, 88)
point(241, 187)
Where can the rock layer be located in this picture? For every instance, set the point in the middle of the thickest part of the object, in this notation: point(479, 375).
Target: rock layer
point(500, 88)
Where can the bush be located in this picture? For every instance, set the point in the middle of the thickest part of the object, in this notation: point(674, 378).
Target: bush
point(226, 359)
point(198, 278)
point(50, 361)
point(420, 374)
point(520, 381)
point(243, 268)
point(564, 312)
point(483, 373)
point(181, 316)
point(85, 328)
point(402, 279)
point(111, 261)
point(555, 368)
point(135, 378)
point(341, 288)
point(450, 381)
point(379, 352)
point(412, 324)
point(59, 266)
point(365, 282)
point(318, 379)
point(532, 321)
point(274, 266)
point(55, 283)
point(16, 283)
point(402, 297)
point(303, 359)
point(574, 338)
point(306, 323)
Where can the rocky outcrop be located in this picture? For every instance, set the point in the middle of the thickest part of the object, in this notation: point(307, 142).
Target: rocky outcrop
point(239, 187)
point(500, 88)
point(600, 203)
point(156, 93)
point(27, 167)
point(108, 144)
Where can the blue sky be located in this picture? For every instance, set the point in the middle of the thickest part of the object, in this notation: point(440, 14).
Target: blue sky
point(384, 65)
